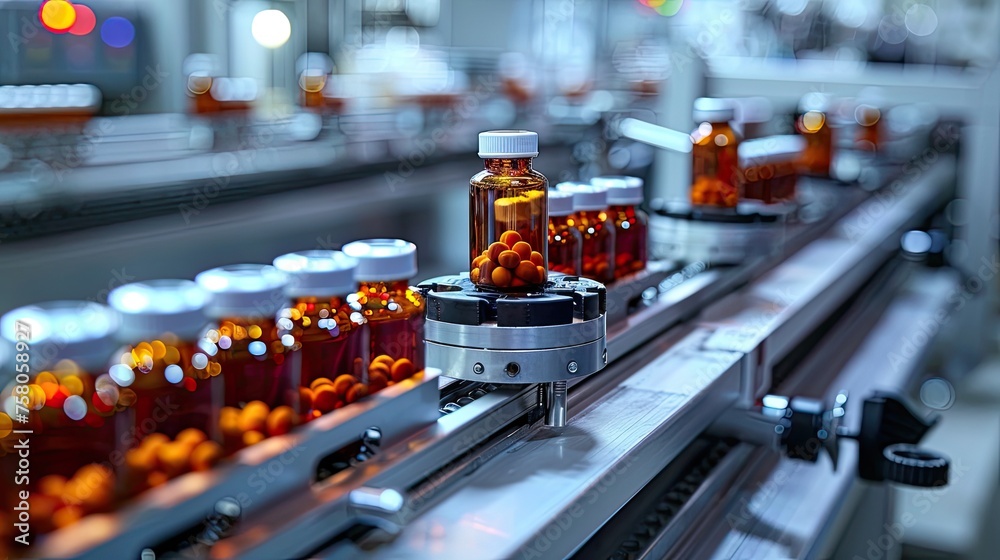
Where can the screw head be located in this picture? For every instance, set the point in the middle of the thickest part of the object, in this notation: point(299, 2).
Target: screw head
point(572, 367)
point(478, 368)
point(512, 369)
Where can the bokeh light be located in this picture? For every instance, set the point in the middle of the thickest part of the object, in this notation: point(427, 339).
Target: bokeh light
point(58, 16)
point(271, 28)
point(921, 20)
point(117, 32)
point(86, 21)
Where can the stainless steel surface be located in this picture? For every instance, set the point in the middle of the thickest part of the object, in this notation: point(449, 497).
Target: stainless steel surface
point(256, 477)
point(547, 492)
point(517, 366)
point(490, 336)
point(799, 509)
point(556, 406)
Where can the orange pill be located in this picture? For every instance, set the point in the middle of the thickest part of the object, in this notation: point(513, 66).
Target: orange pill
point(478, 261)
point(509, 259)
point(305, 399)
point(536, 258)
point(66, 516)
point(152, 442)
point(527, 272)
point(156, 478)
point(343, 384)
point(381, 367)
point(319, 382)
point(384, 358)
point(357, 392)
point(517, 282)
point(523, 250)
point(474, 275)
point(140, 460)
point(325, 399)
point(377, 381)
point(258, 408)
point(173, 459)
point(205, 456)
point(252, 419)
point(191, 436)
point(501, 277)
point(495, 250)
point(510, 237)
point(229, 420)
point(280, 421)
point(252, 438)
point(403, 368)
point(542, 275)
point(52, 485)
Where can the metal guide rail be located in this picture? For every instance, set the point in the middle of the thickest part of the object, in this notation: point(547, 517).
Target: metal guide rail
point(484, 477)
point(798, 507)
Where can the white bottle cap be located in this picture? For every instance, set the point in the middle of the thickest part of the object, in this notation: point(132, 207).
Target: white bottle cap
point(560, 203)
point(508, 144)
point(81, 331)
point(251, 291)
point(707, 109)
point(382, 260)
point(622, 190)
point(318, 273)
point(586, 197)
point(156, 307)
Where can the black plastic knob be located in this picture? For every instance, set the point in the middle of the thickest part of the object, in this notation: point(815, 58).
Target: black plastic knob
point(913, 466)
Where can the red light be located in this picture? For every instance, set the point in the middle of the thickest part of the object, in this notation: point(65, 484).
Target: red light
point(57, 15)
point(86, 21)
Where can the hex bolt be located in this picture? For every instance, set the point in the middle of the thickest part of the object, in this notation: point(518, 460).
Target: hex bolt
point(572, 367)
point(478, 369)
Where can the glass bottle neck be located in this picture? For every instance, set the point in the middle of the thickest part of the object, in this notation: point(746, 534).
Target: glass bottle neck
point(515, 166)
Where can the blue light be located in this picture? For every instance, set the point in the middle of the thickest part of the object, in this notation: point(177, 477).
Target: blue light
point(117, 32)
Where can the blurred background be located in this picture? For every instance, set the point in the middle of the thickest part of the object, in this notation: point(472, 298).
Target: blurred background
point(166, 137)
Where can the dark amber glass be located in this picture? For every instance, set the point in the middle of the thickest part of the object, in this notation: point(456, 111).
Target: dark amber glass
point(714, 165)
point(565, 247)
point(631, 239)
point(509, 226)
point(598, 233)
point(818, 134)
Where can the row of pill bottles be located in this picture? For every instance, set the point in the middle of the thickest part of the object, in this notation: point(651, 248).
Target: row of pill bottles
point(592, 218)
point(714, 155)
point(625, 195)
point(769, 167)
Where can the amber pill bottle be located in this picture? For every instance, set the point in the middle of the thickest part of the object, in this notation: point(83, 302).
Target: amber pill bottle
point(55, 394)
point(813, 124)
point(245, 344)
point(714, 156)
point(631, 223)
point(327, 338)
point(565, 241)
point(392, 311)
point(508, 215)
point(592, 219)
